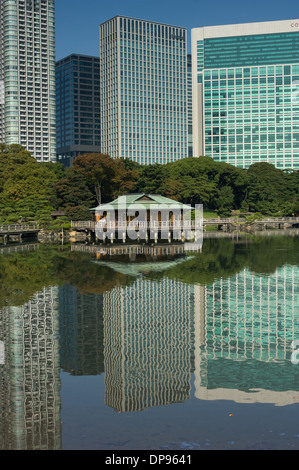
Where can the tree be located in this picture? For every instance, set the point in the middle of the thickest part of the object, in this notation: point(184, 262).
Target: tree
point(267, 188)
point(99, 171)
point(73, 191)
point(57, 168)
point(225, 200)
point(80, 212)
point(28, 179)
point(11, 158)
point(151, 179)
point(196, 180)
point(125, 178)
point(27, 188)
point(107, 177)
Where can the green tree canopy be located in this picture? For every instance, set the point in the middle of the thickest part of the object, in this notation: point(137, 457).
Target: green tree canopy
point(27, 187)
point(30, 191)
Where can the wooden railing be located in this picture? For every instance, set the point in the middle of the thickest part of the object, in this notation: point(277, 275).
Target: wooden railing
point(19, 228)
point(279, 220)
point(187, 224)
point(88, 225)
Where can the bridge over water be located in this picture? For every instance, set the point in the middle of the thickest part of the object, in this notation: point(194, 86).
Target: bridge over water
point(17, 231)
point(224, 224)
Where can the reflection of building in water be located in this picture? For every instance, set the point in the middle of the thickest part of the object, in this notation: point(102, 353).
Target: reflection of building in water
point(147, 344)
point(137, 252)
point(243, 336)
point(30, 375)
point(81, 331)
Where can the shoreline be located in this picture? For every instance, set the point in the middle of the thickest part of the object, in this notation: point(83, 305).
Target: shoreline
point(75, 237)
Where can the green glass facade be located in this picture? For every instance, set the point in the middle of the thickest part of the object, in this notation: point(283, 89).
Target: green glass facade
point(250, 110)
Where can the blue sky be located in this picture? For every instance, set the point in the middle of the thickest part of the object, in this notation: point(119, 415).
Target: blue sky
point(77, 21)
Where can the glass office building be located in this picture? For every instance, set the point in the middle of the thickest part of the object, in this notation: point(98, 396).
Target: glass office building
point(27, 74)
point(189, 89)
point(143, 90)
point(77, 107)
point(245, 85)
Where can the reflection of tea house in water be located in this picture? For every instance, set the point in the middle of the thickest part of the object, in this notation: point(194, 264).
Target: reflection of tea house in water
point(151, 215)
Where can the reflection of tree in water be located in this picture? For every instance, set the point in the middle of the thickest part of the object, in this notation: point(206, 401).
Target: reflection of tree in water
point(224, 258)
point(24, 274)
point(88, 277)
point(267, 254)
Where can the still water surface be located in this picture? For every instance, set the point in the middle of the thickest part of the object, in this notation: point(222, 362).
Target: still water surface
point(159, 349)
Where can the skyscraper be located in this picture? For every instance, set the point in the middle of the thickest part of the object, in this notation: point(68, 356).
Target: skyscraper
point(77, 106)
point(245, 104)
point(27, 73)
point(189, 90)
point(143, 90)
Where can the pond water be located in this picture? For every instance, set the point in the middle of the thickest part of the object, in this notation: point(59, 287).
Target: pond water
point(156, 348)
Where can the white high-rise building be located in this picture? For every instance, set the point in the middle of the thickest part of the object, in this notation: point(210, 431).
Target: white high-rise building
point(143, 82)
point(27, 74)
